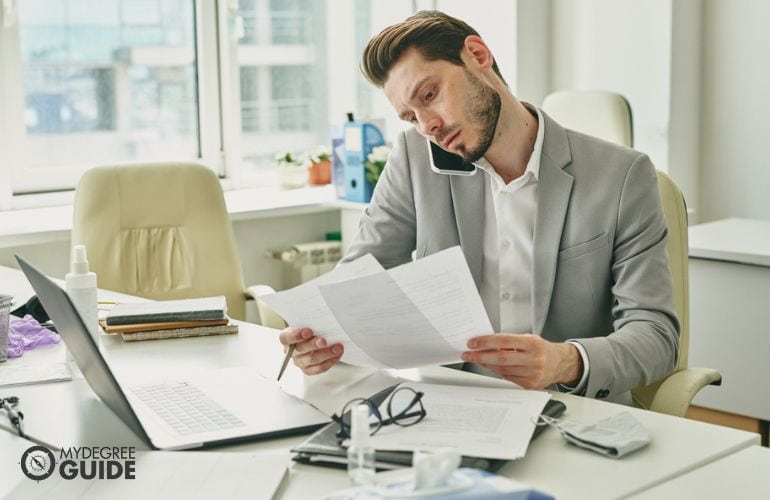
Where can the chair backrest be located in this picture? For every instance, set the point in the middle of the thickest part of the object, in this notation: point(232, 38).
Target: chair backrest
point(677, 247)
point(606, 115)
point(675, 212)
point(159, 231)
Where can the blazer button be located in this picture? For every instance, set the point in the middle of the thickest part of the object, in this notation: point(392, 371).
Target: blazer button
point(602, 393)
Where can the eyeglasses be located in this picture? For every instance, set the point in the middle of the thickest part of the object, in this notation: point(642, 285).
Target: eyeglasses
point(404, 408)
point(16, 417)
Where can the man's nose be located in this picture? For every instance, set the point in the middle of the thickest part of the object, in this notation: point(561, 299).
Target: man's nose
point(430, 125)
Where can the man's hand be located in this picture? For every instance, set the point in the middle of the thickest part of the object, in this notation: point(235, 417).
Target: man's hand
point(526, 359)
point(311, 355)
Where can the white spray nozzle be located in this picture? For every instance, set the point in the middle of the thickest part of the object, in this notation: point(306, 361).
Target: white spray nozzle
point(79, 264)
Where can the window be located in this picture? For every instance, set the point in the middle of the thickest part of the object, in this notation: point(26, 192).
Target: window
point(229, 82)
point(103, 82)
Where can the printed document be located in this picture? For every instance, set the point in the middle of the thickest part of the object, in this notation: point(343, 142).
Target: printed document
point(417, 314)
point(477, 421)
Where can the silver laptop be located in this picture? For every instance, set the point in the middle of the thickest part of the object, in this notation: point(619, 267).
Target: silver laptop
point(213, 408)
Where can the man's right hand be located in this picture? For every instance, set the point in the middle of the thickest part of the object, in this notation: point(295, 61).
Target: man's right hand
point(311, 355)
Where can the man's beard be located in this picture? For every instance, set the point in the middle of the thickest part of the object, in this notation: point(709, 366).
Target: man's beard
point(483, 108)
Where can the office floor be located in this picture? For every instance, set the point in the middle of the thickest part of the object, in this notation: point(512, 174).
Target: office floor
point(761, 427)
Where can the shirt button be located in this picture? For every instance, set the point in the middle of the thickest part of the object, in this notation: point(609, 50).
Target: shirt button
point(505, 244)
point(506, 296)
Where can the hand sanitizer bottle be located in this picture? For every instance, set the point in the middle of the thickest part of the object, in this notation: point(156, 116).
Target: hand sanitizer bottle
point(80, 284)
point(360, 451)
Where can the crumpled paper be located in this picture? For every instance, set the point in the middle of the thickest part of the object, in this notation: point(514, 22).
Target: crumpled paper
point(26, 333)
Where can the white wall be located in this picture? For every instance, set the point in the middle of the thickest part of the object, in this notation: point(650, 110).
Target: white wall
point(622, 46)
point(684, 130)
point(533, 51)
point(735, 110)
point(495, 20)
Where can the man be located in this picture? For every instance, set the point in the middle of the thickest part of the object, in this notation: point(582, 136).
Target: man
point(564, 233)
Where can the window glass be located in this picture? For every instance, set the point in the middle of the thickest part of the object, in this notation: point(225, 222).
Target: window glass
point(281, 59)
point(106, 81)
point(298, 70)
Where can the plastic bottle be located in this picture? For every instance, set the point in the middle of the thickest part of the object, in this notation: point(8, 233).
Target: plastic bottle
point(80, 284)
point(360, 451)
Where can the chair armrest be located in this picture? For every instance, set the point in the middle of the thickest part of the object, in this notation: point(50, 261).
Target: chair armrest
point(678, 390)
point(267, 317)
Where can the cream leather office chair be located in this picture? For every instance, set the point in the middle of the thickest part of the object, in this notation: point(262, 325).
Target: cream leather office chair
point(608, 115)
point(162, 231)
point(674, 393)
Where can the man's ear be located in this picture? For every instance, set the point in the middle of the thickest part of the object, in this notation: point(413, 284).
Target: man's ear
point(476, 53)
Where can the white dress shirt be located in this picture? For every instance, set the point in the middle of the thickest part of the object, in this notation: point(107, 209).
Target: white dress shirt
point(509, 225)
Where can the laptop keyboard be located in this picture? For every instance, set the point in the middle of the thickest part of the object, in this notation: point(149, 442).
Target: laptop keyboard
point(186, 408)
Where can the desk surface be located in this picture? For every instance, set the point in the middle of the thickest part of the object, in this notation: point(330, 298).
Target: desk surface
point(12, 447)
point(745, 241)
point(551, 464)
point(742, 474)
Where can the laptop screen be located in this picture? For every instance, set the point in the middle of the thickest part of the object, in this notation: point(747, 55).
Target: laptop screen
point(84, 350)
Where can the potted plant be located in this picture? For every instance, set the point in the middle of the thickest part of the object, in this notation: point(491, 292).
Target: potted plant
point(292, 172)
point(375, 163)
point(320, 169)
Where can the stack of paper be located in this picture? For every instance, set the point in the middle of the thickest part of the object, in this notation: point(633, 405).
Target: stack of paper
point(486, 425)
point(169, 319)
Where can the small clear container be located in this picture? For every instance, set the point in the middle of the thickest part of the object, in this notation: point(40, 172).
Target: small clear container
point(5, 318)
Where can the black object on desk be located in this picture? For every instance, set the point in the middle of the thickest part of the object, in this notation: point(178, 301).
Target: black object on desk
point(323, 447)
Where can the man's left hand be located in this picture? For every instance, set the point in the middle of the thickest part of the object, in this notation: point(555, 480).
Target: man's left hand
point(526, 359)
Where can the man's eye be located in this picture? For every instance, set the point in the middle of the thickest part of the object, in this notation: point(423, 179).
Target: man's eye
point(429, 95)
point(412, 118)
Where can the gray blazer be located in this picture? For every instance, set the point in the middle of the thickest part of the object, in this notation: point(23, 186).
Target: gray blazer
point(600, 270)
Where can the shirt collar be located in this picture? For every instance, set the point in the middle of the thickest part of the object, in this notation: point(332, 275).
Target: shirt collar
point(533, 165)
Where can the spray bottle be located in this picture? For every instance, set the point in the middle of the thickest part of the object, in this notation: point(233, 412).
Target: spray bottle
point(80, 284)
point(361, 468)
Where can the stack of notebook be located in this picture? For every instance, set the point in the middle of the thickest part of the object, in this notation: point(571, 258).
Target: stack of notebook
point(166, 319)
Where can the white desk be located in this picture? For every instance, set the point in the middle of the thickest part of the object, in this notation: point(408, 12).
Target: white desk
point(679, 445)
point(729, 317)
point(12, 447)
point(742, 474)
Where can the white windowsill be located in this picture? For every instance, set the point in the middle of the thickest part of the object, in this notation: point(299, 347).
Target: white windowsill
point(30, 226)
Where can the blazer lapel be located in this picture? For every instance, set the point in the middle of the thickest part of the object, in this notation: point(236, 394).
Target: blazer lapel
point(554, 189)
point(468, 204)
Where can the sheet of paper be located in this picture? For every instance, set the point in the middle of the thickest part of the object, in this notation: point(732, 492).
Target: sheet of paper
point(12, 374)
point(442, 287)
point(477, 421)
point(420, 313)
point(303, 306)
point(330, 391)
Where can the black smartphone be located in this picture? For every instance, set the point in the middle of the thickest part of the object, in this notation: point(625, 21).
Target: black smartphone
point(444, 162)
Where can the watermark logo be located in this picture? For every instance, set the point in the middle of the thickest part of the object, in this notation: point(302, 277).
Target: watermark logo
point(37, 463)
point(95, 462)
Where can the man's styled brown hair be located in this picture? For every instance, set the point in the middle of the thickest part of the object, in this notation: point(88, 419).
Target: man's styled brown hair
point(436, 35)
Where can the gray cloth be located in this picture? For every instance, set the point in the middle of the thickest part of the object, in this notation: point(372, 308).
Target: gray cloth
point(600, 270)
point(613, 437)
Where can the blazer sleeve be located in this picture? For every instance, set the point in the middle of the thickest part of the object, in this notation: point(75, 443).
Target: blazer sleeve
point(645, 342)
point(387, 228)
